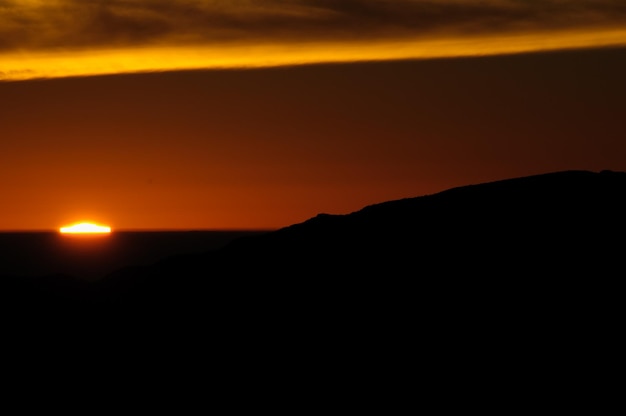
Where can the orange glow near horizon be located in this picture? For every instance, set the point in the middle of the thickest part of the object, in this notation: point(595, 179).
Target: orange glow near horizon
point(267, 149)
point(85, 228)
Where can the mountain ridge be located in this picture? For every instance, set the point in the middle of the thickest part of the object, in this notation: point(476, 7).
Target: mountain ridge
point(561, 224)
point(484, 289)
point(556, 223)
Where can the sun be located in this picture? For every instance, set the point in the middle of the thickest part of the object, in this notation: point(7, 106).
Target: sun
point(85, 228)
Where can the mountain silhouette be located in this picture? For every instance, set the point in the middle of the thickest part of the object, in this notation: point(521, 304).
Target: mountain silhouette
point(552, 227)
point(489, 284)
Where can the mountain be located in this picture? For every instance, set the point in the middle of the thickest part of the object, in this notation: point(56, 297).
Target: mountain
point(549, 227)
point(503, 280)
point(552, 227)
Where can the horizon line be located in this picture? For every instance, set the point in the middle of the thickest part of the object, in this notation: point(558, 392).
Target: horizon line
point(124, 230)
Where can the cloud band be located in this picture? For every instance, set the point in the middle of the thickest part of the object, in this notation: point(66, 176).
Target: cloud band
point(54, 37)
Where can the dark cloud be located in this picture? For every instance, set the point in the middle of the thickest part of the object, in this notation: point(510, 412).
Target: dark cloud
point(38, 24)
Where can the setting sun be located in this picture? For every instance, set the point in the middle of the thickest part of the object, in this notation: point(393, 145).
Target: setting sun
point(85, 228)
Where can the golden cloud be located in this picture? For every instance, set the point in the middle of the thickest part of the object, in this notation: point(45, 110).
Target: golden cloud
point(64, 37)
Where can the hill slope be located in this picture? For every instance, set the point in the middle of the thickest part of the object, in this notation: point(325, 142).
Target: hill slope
point(550, 228)
point(483, 288)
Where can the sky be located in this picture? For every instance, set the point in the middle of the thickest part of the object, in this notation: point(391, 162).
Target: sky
point(189, 114)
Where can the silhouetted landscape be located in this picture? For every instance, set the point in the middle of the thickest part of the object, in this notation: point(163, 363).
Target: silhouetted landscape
point(550, 230)
point(490, 281)
point(91, 257)
point(314, 205)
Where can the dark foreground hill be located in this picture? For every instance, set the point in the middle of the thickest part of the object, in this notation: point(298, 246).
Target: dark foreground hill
point(489, 278)
point(550, 230)
point(545, 230)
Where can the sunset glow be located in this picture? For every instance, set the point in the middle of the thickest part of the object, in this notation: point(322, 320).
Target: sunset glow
point(23, 66)
point(255, 115)
point(85, 228)
point(68, 38)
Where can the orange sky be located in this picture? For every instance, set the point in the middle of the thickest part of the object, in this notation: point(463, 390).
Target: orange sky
point(273, 145)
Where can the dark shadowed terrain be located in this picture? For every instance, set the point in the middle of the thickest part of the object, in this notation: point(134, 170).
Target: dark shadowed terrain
point(546, 228)
point(91, 257)
point(495, 281)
